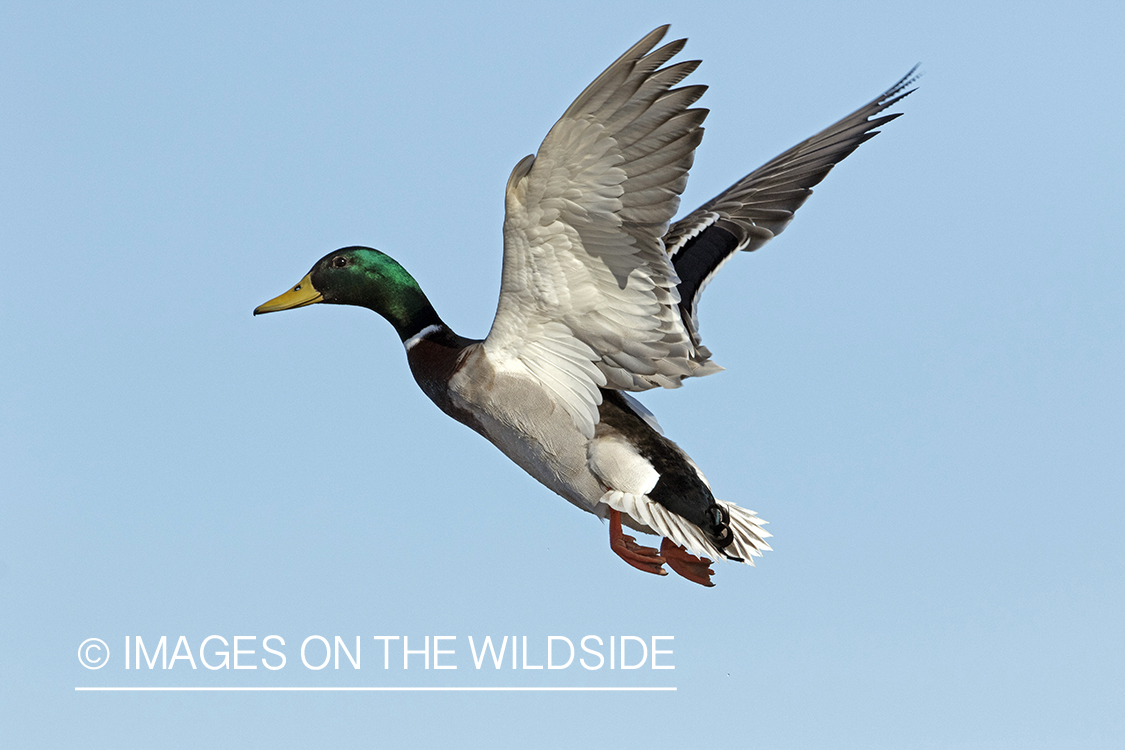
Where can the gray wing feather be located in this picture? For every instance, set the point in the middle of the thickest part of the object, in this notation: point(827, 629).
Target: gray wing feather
point(585, 266)
point(758, 207)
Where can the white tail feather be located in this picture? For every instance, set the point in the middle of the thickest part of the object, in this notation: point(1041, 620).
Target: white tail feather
point(749, 536)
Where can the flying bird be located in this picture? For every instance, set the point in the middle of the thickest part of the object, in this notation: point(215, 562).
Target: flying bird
point(599, 297)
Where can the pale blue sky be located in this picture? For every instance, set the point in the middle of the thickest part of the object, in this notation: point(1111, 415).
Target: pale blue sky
point(923, 391)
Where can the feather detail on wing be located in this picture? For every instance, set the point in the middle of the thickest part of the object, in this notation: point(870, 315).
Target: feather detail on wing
point(759, 206)
point(588, 295)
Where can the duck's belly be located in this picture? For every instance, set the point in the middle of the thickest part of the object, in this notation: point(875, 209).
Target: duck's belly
point(514, 413)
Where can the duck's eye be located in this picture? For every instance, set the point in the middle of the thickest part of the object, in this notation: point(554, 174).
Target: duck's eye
point(339, 261)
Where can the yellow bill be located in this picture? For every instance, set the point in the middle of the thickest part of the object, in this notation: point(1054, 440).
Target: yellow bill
point(299, 296)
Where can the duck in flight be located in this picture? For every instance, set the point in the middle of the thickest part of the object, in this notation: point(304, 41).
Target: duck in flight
point(598, 297)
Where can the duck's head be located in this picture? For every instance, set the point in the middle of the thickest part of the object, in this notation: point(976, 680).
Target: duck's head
point(358, 276)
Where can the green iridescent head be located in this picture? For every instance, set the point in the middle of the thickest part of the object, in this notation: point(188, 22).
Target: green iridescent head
point(364, 277)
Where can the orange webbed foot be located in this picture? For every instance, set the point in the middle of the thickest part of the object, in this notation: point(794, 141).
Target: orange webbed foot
point(695, 569)
point(626, 547)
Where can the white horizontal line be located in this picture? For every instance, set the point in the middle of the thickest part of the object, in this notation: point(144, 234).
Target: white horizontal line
point(375, 689)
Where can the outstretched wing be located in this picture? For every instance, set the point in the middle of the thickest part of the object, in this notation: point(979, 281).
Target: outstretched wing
point(588, 295)
point(759, 206)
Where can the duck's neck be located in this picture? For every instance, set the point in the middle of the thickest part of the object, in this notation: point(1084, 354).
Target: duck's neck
point(408, 310)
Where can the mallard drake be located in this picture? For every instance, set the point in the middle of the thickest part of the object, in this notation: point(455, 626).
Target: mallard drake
point(598, 297)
